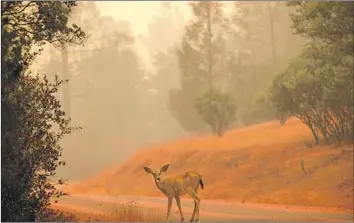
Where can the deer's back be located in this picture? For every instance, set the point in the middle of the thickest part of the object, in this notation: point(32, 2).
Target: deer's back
point(181, 183)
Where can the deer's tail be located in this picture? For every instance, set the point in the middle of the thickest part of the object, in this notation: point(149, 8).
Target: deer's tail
point(201, 182)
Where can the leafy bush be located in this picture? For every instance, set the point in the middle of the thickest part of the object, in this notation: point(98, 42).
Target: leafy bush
point(317, 87)
point(32, 119)
point(30, 149)
point(218, 110)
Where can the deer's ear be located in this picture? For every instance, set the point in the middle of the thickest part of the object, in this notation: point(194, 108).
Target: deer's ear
point(164, 168)
point(147, 169)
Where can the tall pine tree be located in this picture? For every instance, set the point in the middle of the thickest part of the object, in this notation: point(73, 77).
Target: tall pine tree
point(202, 61)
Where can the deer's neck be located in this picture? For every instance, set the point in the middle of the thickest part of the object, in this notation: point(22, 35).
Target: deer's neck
point(159, 184)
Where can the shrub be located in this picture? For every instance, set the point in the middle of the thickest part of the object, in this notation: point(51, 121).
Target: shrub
point(30, 150)
point(218, 110)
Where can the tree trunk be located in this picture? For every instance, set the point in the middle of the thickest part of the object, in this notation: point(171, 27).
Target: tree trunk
point(308, 122)
point(321, 123)
point(314, 133)
point(281, 117)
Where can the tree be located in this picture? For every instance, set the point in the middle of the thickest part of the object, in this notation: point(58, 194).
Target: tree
point(32, 121)
point(295, 92)
point(166, 27)
point(107, 77)
point(68, 57)
point(218, 110)
point(260, 39)
point(182, 101)
point(318, 85)
point(33, 23)
point(202, 62)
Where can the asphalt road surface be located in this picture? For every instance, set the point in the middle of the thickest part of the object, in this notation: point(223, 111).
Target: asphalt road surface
point(210, 211)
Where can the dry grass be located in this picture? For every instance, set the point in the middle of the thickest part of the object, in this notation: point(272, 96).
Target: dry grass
point(131, 212)
point(124, 212)
point(261, 163)
point(56, 215)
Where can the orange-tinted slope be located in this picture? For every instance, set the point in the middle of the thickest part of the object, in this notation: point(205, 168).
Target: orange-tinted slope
point(261, 163)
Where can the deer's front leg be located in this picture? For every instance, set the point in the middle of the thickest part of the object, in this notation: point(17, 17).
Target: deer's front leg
point(178, 201)
point(169, 204)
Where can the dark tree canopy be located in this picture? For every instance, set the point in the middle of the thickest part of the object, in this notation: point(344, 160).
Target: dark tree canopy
point(32, 119)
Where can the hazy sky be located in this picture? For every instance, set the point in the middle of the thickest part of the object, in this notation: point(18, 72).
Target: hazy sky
point(138, 13)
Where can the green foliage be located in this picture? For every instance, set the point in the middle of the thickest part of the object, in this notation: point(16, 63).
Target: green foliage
point(32, 120)
point(262, 110)
point(247, 51)
point(327, 21)
point(32, 24)
point(317, 87)
point(217, 108)
point(29, 145)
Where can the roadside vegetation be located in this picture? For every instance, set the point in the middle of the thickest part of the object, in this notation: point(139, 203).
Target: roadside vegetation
point(123, 212)
point(234, 74)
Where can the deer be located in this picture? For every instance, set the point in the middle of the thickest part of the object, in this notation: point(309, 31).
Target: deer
point(173, 187)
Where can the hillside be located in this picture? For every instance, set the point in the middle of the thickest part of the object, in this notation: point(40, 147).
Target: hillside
point(260, 163)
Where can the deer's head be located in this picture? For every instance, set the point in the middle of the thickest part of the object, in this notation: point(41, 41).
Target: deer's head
point(156, 173)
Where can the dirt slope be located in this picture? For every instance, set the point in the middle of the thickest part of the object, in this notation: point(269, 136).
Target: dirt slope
point(263, 163)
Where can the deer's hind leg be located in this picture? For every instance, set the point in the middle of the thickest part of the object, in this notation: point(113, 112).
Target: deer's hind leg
point(191, 192)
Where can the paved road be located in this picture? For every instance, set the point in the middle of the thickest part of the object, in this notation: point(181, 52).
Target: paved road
point(210, 211)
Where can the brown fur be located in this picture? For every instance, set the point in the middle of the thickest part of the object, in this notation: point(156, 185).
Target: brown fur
point(173, 187)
